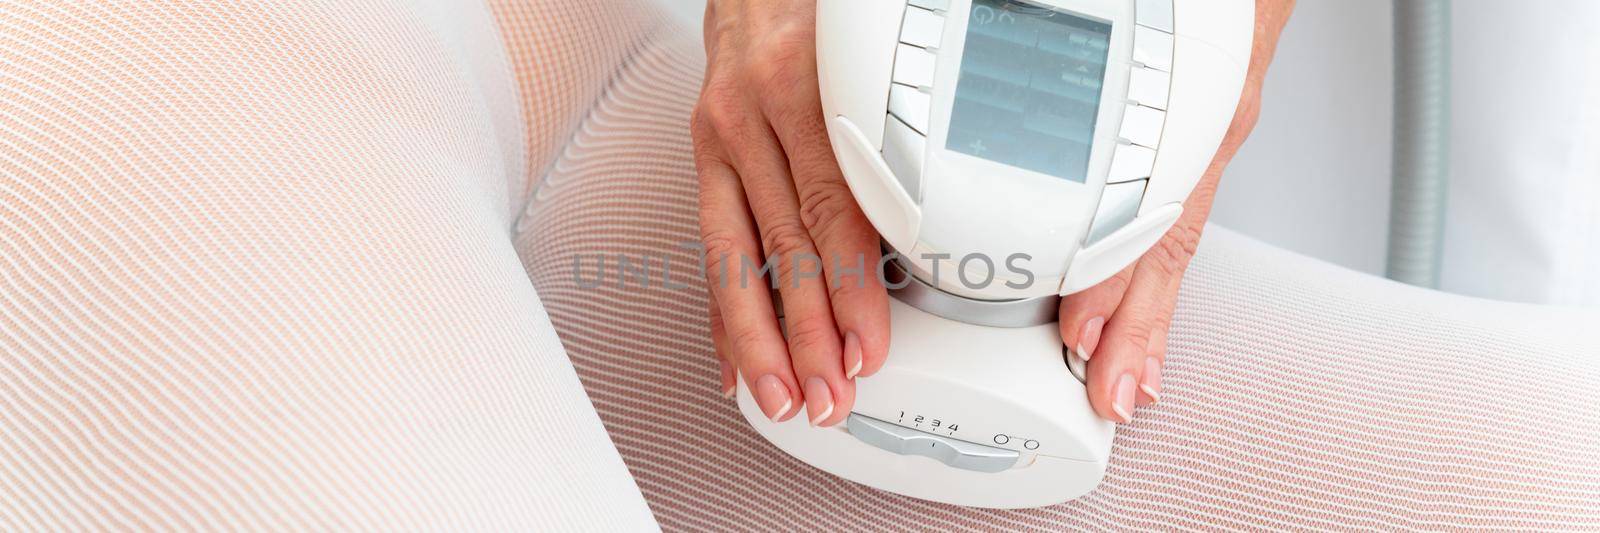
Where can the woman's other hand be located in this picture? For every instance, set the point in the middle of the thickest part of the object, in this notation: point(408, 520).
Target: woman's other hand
point(1121, 325)
point(770, 187)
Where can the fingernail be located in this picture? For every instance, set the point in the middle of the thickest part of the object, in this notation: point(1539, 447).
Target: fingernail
point(819, 400)
point(728, 380)
point(773, 397)
point(1090, 337)
point(1151, 384)
point(852, 355)
point(1124, 400)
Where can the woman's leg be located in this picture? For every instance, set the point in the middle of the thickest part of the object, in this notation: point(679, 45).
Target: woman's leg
point(256, 273)
point(1298, 395)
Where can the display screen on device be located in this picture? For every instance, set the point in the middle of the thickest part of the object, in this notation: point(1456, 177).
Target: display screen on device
point(1029, 89)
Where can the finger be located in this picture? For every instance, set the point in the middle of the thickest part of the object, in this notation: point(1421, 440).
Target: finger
point(1156, 351)
point(837, 226)
point(1168, 261)
point(1120, 363)
point(1083, 314)
point(756, 347)
point(719, 344)
point(814, 342)
point(1113, 373)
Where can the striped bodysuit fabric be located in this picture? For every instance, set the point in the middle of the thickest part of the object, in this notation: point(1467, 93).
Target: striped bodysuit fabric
point(305, 266)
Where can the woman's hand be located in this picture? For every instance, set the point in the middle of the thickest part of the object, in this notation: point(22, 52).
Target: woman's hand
point(770, 187)
point(1120, 326)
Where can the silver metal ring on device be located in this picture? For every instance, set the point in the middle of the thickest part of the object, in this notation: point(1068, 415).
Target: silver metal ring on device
point(1019, 313)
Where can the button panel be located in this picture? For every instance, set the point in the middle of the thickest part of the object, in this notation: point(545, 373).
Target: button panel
point(1119, 204)
point(905, 127)
point(1142, 125)
point(906, 441)
point(914, 66)
point(1154, 13)
point(911, 105)
point(1152, 48)
point(1146, 86)
point(922, 28)
point(1131, 162)
point(904, 150)
point(1149, 86)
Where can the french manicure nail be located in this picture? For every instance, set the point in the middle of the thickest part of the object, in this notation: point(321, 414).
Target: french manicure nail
point(1089, 338)
point(819, 400)
point(852, 355)
point(1123, 405)
point(1151, 385)
point(773, 397)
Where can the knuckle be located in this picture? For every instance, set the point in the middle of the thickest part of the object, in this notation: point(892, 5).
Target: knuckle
point(719, 105)
point(1134, 336)
point(1172, 253)
point(847, 293)
point(720, 246)
point(786, 239)
point(826, 204)
point(745, 338)
point(807, 334)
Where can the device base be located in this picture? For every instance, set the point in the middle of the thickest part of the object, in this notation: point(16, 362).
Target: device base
point(955, 389)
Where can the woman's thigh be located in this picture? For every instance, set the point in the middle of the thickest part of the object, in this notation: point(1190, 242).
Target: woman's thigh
point(1299, 395)
point(256, 272)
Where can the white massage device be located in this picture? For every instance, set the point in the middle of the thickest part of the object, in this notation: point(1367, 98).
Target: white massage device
point(1011, 152)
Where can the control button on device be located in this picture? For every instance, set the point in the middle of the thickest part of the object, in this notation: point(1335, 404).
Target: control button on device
point(1131, 162)
point(907, 441)
point(1146, 86)
point(936, 5)
point(903, 150)
point(1154, 13)
point(922, 28)
point(1153, 48)
point(1119, 204)
point(914, 66)
point(912, 106)
point(1142, 125)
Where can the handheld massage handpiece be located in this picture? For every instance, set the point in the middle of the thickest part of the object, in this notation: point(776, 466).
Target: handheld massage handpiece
point(1051, 141)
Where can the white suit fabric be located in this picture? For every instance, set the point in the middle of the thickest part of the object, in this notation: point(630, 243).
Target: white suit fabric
point(309, 266)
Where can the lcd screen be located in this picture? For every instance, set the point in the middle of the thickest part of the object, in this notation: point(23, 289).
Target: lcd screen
point(1029, 88)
